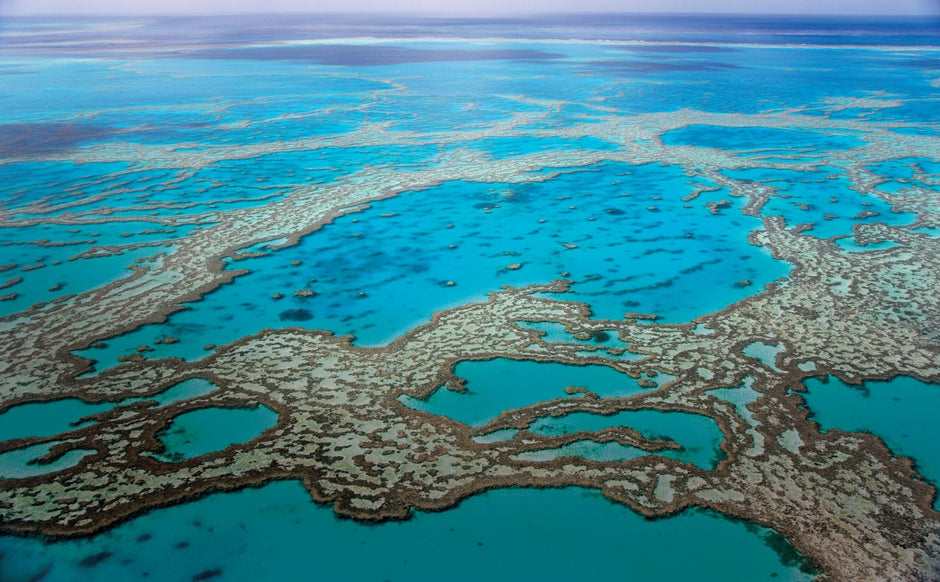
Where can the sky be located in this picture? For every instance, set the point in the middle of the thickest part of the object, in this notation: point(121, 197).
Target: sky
point(471, 7)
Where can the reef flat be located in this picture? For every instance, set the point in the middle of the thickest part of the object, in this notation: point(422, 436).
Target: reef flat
point(838, 192)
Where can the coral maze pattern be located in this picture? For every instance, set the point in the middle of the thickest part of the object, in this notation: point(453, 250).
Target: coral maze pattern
point(857, 510)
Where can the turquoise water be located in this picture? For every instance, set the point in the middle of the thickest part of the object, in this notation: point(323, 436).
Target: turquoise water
point(42, 271)
point(163, 194)
point(604, 343)
point(744, 395)
point(43, 419)
point(81, 237)
point(189, 435)
point(46, 418)
point(265, 114)
point(902, 173)
point(764, 353)
point(45, 280)
point(902, 412)
point(56, 183)
point(931, 232)
point(185, 390)
point(493, 386)
point(20, 463)
point(762, 141)
point(850, 246)
point(822, 198)
point(207, 430)
point(623, 234)
point(275, 532)
point(699, 436)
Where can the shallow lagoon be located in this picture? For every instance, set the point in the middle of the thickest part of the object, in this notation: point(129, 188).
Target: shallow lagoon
point(21, 463)
point(42, 419)
point(207, 430)
point(48, 281)
point(698, 436)
point(46, 418)
point(622, 233)
point(188, 435)
point(493, 386)
point(822, 198)
point(901, 411)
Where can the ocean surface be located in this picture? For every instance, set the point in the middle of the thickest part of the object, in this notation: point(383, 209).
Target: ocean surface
point(211, 116)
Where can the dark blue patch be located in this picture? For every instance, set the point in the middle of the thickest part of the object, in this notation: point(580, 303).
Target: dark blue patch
point(295, 315)
point(661, 67)
point(17, 139)
point(369, 56)
point(929, 64)
point(677, 48)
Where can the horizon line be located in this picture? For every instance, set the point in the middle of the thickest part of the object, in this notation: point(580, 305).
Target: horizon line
point(467, 16)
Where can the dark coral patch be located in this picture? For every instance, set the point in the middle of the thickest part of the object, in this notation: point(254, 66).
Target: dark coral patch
point(295, 315)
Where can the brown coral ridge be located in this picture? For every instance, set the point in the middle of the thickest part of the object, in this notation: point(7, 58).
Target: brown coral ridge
point(343, 432)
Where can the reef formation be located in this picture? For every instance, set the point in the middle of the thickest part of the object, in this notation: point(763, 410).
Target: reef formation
point(853, 507)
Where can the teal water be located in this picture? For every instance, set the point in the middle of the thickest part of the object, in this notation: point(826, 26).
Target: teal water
point(189, 435)
point(276, 533)
point(493, 386)
point(44, 280)
point(698, 436)
point(741, 397)
point(52, 260)
point(220, 104)
point(901, 411)
point(20, 463)
point(43, 419)
point(81, 237)
point(46, 418)
point(56, 184)
point(207, 430)
point(191, 388)
point(931, 232)
point(137, 191)
point(904, 172)
point(850, 246)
